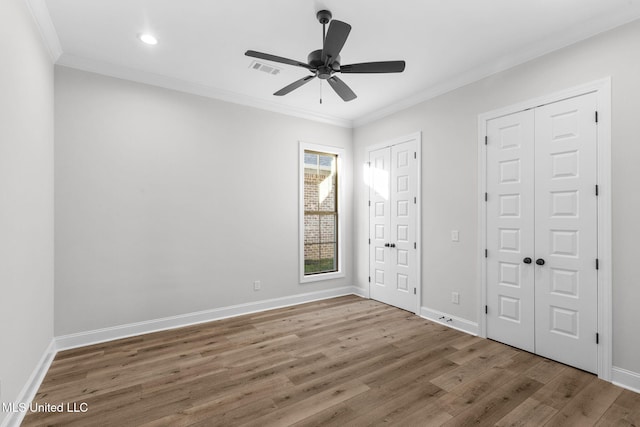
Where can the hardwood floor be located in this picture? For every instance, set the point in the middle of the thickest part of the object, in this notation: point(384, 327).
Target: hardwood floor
point(341, 362)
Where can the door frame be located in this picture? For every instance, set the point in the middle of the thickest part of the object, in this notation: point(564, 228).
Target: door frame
point(602, 89)
point(417, 136)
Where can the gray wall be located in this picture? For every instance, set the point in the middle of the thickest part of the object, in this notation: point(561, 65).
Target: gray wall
point(169, 203)
point(26, 198)
point(449, 174)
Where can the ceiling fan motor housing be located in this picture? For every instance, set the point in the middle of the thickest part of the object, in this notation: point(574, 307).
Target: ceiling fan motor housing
point(324, 72)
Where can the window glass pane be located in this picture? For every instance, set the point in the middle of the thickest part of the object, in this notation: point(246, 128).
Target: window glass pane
point(310, 160)
point(328, 229)
point(311, 199)
point(327, 260)
point(327, 193)
point(311, 229)
point(311, 258)
point(326, 162)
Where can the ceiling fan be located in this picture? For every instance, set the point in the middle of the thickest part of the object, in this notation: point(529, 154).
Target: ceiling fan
point(325, 63)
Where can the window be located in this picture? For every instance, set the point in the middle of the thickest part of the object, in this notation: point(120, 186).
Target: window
point(320, 194)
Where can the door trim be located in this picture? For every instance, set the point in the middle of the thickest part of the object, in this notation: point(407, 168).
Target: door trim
point(417, 136)
point(602, 88)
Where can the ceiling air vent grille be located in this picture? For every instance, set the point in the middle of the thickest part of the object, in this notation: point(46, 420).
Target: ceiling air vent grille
point(264, 68)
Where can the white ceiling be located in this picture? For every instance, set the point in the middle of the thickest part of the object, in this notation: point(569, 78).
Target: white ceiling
point(446, 43)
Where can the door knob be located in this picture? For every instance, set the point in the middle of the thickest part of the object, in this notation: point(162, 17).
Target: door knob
point(386, 245)
point(393, 245)
point(527, 260)
point(540, 261)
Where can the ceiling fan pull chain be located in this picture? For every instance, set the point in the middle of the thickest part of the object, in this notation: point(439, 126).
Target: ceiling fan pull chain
point(320, 91)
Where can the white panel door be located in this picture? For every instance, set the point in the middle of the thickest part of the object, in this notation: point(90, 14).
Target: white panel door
point(510, 230)
point(380, 224)
point(566, 232)
point(393, 225)
point(542, 283)
point(403, 224)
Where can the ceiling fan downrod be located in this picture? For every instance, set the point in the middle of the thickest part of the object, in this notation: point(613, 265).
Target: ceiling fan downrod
point(324, 16)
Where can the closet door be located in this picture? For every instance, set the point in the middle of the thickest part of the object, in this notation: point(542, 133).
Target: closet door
point(380, 274)
point(392, 225)
point(403, 227)
point(542, 283)
point(566, 232)
point(510, 230)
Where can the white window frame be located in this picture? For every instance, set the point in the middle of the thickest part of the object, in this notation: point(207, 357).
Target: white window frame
point(339, 152)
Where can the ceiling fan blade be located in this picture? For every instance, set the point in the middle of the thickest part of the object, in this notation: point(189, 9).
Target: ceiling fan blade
point(293, 86)
point(342, 89)
point(336, 37)
point(374, 67)
point(279, 59)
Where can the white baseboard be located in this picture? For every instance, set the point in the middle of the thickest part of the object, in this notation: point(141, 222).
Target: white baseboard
point(28, 392)
point(82, 339)
point(454, 322)
point(626, 379)
point(361, 292)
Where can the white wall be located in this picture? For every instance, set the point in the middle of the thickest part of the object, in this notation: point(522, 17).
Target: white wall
point(26, 198)
point(449, 187)
point(169, 203)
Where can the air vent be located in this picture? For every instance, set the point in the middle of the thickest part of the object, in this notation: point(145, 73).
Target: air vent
point(264, 68)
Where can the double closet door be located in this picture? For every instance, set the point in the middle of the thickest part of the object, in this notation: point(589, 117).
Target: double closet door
point(392, 225)
point(542, 283)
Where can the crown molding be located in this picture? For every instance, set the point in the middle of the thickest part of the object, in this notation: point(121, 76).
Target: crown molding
point(535, 50)
point(166, 82)
point(40, 13)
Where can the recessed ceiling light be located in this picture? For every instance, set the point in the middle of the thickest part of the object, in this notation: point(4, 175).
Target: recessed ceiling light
point(147, 38)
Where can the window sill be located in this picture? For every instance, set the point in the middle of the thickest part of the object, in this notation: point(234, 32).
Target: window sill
point(322, 276)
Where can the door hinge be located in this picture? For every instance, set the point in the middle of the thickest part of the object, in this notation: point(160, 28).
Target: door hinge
point(369, 279)
point(597, 190)
point(596, 117)
point(597, 264)
point(415, 245)
point(414, 291)
point(415, 154)
point(369, 241)
point(486, 253)
point(486, 309)
point(369, 163)
point(597, 338)
point(415, 200)
point(486, 140)
point(486, 197)
point(369, 202)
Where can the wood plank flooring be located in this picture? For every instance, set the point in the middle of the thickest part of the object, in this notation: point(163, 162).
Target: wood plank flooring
point(341, 362)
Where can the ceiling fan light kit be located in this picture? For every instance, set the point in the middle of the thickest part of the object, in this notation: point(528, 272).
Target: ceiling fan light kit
point(325, 63)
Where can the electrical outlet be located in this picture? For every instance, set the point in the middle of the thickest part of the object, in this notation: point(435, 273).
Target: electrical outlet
point(257, 285)
point(455, 297)
point(455, 236)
